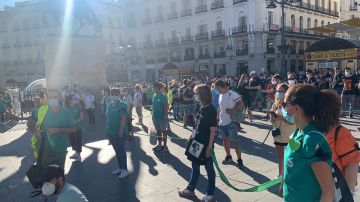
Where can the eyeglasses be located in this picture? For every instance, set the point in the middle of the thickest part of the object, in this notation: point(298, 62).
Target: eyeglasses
point(291, 79)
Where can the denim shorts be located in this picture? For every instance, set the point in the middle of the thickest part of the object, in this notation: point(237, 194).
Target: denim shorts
point(229, 131)
point(188, 109)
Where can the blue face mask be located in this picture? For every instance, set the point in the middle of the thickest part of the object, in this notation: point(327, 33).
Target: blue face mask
point(197, 98)
point(54, 103)
point(114, 98)
point(280, 95)
point(286, 116)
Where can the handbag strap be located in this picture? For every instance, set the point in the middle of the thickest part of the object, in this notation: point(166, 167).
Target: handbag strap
point(41, 150)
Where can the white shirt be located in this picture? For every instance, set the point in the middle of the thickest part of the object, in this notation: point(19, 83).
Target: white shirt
point(128, 100)
point(70, 193)
point(227, 101)
point(89, 102)
point(138, 99)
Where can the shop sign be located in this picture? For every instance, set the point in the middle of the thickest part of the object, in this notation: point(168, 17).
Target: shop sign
point(332, 55)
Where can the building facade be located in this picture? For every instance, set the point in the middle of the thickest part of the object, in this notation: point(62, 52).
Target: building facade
point(218, 37)
point(349, 9)
point(22, 35)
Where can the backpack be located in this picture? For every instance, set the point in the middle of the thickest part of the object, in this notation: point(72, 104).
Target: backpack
point(356, 146)
point(342, 191)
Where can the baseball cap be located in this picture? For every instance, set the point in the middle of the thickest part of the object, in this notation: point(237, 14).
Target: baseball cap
point(51, 172)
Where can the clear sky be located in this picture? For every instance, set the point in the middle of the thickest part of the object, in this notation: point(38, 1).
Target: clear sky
point(8, 2)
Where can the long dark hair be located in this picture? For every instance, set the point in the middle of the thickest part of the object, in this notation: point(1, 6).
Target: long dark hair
point(242, 79)
point(322, 106)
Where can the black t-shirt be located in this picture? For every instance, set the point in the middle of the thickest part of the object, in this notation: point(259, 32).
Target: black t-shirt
point(181, 93)
point(188, 93)
point(205, 118)
point(243, 91)
point(175, 92)
point(349, 85)
point(254, 81)
point(337, 81)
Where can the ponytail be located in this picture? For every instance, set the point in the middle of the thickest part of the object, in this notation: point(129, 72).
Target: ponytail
point(327, 110)
point(322, 106)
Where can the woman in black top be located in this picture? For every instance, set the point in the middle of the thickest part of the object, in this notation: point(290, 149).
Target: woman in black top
point(242, 89)
point(202, 141)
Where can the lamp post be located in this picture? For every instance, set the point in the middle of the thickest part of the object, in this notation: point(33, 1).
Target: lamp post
point(124, 50)
point(283, 47)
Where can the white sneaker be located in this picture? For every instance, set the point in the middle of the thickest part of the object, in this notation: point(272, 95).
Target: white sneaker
point(116, 172)
point(208, 198)
point(123, 174)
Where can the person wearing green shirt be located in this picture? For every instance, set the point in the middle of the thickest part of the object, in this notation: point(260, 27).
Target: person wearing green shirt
point(117, 130)
point(307, 158)
point(159, 117)
point(72, 104)
point(53, 179)
point(58, 123)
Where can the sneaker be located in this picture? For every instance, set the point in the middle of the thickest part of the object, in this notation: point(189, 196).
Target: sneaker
point(123, 174)
point(184, 126)
point(351, 116)
point(164, 149)
point(116, 172)
point(228, 159)
point(240, 163)
point(208, 198)
point(157, 148)
point(186, 192)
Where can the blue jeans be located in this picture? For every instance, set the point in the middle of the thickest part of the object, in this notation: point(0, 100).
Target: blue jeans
point(119, 147)
point(209, 167)
point(176, 109)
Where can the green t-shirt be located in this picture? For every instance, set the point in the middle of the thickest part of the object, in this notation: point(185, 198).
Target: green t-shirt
point(159, 102)
point(115, 111)
point(300, 183)
point(57, 142)
point(2, 105)
point(149, 93)
point(70, 193)
point(76, 111)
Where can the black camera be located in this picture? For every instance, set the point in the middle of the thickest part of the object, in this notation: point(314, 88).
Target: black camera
point(275, 132)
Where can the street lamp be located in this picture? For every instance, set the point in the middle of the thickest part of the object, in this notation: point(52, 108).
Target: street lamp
point(283, 47)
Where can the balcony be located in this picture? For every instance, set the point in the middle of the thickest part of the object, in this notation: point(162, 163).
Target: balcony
point(270, 50)
point(201, 9)
point(238, 1)
point(353, 8)
point(146, 21)
point(148, 44)
point(217, 4)
point(175, 58)
point(162, 59)
point(172, 16)
point(160, 43)
point(189, 57)
point(173, 41)
point(202, 36)
point(242, 52)
point(159, 18)
point(218, 33)
point(186, 12)
point(316, 8)
point(221, 54)
point(187, 38)
point(204, 56)
point(239, 29)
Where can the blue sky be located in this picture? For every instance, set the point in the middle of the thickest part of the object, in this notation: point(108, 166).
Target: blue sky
point(8, 2)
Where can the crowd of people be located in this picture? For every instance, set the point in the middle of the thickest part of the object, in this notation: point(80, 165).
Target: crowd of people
point(304, 110)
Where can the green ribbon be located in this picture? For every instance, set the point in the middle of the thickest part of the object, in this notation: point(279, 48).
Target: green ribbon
point(258, 188)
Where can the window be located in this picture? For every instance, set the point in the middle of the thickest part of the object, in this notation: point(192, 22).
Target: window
point(242, 47)
point(188, 31)
point(161, 36)
point(219, 25)
point(301, 21)
point(186, 4)
point(159, 10)
point(201, 3)
point(189, 54)
point(316, 23)
point(242, 21)
point(202, 28)
point(173, 7)
point(203, 51)
point(148, 38)
point(301, 47)
point(329, 4)
point(317, 4)
point(270, 45)
point(335, 6)
point(322, 23)
point(270, 17)
point(293, 21)
point(308, 23)
point(173, 35)
point(323, 3)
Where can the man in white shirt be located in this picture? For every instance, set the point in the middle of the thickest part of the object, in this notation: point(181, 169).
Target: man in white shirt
point(54, 184)
point(138, 103)
point(229, 102)
point(90, 107)
point(130, 104)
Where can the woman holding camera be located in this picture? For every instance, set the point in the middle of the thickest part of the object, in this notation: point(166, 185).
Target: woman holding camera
point(283, 127)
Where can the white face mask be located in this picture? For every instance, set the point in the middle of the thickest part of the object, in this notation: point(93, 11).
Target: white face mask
point(347, 73)
point(48, 189)
point(273, 82)
point(291, 82)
